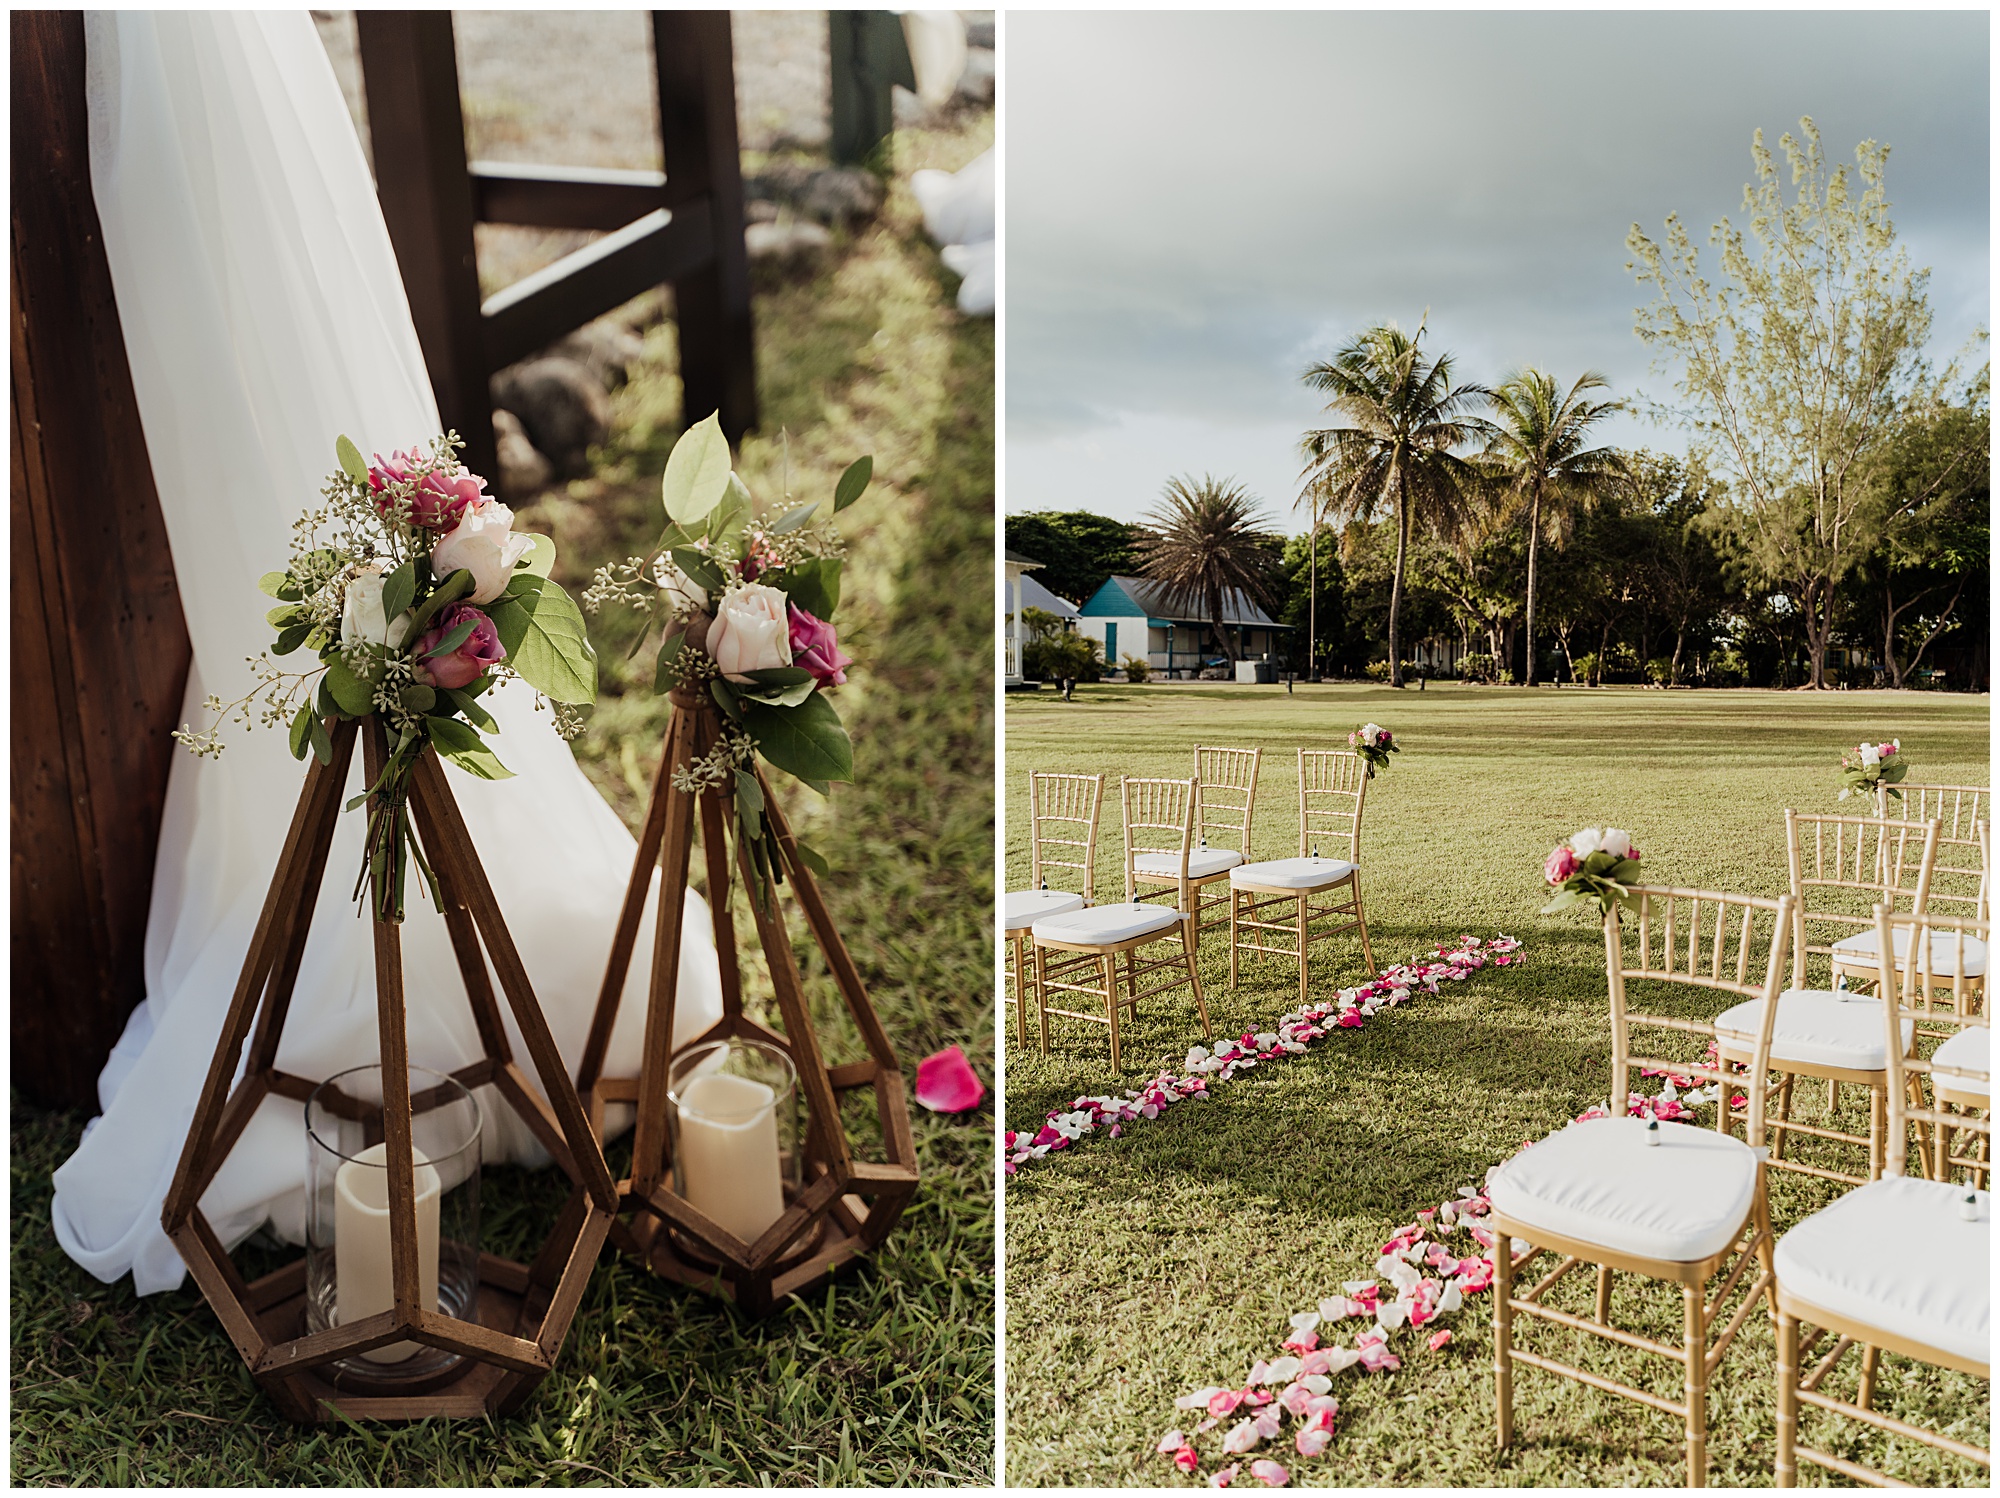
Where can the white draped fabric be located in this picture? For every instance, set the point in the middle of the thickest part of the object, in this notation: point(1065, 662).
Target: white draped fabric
point(263, 316)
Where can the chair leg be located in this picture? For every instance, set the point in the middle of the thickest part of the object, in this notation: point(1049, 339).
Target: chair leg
point(1302, 949)
point(1503, 1337)
point(1878, 1130)
point(1361, 920)
point(1697, 1387)
point(1235, 931)
point(1784, 1117)
point(1042, 992)
point(1020, 985)
point(1132, 984)
point(1200, 1003)
point(1603, 1294)
point(1871, 1359)
point(1767, 1247)
point(1788, 1400)
point(1108, 966)
point(1832, 1099)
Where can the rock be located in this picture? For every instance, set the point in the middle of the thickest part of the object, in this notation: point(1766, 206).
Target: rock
point(792, 246)
point(979, 34)
point(837, 196)
point(606, 348)
point(975, 84)
point(562, 406)
point(524, 472)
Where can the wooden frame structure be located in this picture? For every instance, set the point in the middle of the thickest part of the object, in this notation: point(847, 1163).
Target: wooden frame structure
point(1906, 999)
point(1329, 779)
point(1678, 953)
point(1150, 806)
point(846, 1206)
point(682, 226)
point(524, 1311)
point(1067, 801)
point(1225, 803)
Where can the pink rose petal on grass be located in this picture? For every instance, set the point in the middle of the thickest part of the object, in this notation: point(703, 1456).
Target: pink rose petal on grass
point(1439, 1339)
point(1224, 1401)
point(1312, 1441)
point(946, 1082)
point(1186, 1459)
point(1223, 1478)
point(1269, 1473)
point(1242, 1436)
point(1170, 1443)
point(1199, 1399)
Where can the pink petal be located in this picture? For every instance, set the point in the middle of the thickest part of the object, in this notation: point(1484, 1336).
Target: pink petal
point(1241, 1437)
point(946, 1082)
point(1224, 1401)
point(1269, 1473)
point(1170, 1443)
point(1186, 1459)
point(1440, 1339)
point(1223, 1478)
point(1313, 1441)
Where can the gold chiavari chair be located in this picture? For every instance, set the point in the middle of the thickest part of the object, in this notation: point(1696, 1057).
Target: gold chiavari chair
point(1669, 1202)
point(1225, 804)
point(1274, 901)
point(1062, 834)
point(1836, 865)
point(1959, 878)
point(1159, 818)
point(1900, 1263)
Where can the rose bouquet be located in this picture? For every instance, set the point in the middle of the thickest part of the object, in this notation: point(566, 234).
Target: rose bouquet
point(414, 593)
point(1872, 768)
point(743, 609)
point(1374, 744)
point(1595, 864)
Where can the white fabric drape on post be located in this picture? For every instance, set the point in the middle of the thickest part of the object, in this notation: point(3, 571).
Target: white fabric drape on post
point(264, 315)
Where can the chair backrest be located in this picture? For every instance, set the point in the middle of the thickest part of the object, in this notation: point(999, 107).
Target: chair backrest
point(1159, 818)
point(1938, 945)
point(1062, 826)
point(1332, 785)
point(1842, 867)
point(1958, 881)
point(1227, 797)
point(1731, 944)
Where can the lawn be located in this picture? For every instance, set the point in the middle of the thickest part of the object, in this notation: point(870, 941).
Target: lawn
point(1143, 1268)
point(887, 1376)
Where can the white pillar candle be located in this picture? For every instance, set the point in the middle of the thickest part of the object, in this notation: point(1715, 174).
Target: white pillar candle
point(363, 1285)
point(729, 1153)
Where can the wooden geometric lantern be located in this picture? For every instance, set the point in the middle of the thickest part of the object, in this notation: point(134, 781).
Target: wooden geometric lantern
point(523, 1312)
point(842, 1207)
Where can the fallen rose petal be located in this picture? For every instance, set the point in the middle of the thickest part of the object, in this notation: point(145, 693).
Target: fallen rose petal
point(1315, 1362)
point(1198, 1400)
point(1261, 1373)
point(1170, 1443)
point(1269, 1473)
point(1312, 1441)
point(1241, 1437)
point(1268, 1424)
point(1206, 1426)
point(1339, 1359)
point(1284, 1370)
point(1439, 1339)
point(1224, 1401)
point(1186, 1459)
point(1223, 1478)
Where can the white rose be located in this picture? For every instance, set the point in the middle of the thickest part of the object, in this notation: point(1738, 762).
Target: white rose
point(688, 595)
point(1617, 842)
point(484, 545)
point(1871, 756)
point(1586, 842)
point(751, 632)
point(361, 616)
point(1371, 731)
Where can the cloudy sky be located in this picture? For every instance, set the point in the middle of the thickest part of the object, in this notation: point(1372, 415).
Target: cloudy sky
point(1199, 205)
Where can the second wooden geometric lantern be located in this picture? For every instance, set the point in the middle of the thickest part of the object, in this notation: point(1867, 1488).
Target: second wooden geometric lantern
point(834, 1207)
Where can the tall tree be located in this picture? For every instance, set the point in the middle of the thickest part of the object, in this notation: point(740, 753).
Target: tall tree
point(1203, 542)
point(1676, 564)
point(1404, 417)
point(1077, 550)
point(1536, 446)
point(1797, 367)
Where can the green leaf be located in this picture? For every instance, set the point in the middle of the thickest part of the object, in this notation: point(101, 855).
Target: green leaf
point(749, 796)
point(476, 715)
point(324, 705)
point(291, 638)
point(795, 518)
point(351, 461)
point(464, 748)
point(455, 637)
point(812, 583)
point(812, 860)
point(779, 676)
point(667, 674)
point(453, 588)
point(725, 695)
point(399, 589)
point(807, 741)
point(697, 472)
point(322, 741)
point(546, 642)
point(355, 697)
point(730, 518)
point(301, 737)
point(282, 615)
point(278, 585)
point(790, 696)
point(541, 559)
point(698, 566)
point(823, 787)
point(852, 483)
point(418, 698)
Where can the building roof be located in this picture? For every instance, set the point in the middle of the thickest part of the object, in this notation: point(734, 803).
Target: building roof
point(1035, 596)
point(1022, 561)
point(1123, 597)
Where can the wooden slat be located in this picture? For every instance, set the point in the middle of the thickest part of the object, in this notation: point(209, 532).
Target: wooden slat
point(564, 197)
point(392, 1026)
point(649, 1135)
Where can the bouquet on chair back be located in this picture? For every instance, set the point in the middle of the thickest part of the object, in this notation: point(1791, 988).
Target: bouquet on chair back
point(742, 607)
point(1374, 744)
point(1595, 864)
point(1871, 768)
point(414, 593)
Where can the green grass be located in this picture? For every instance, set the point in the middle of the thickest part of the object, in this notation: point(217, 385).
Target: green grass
point(885, 1377)
point(1143, 1268)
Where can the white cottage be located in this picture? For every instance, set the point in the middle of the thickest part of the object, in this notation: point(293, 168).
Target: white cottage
point(1132, 616)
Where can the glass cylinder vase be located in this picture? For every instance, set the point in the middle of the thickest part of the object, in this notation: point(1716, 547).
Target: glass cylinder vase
point(347, 1213)
point(733, 1117)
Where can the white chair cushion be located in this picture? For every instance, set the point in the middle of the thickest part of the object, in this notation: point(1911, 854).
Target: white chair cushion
point(1106, 925)
point(1599, 1181)
point(1896, 1254)
point(1201, 862)
point(1291, 873)
point(1817, 1027)
point(1971, 1050)
point(1944, 951)
point(1023, 907)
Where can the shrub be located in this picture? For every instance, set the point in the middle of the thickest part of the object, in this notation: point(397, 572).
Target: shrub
point(1726, 668)
point(1660, 670)
point(1479, 667)
point(1585, 667)
point(1137, 668)
point(1053, 657)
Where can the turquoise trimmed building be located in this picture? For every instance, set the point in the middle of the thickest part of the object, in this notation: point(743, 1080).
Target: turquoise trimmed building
point(1131, 616)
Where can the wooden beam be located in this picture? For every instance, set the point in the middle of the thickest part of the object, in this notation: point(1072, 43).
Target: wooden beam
point(563, 197)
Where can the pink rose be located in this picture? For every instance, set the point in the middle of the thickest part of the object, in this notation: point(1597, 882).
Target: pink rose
point(484, 544)
point(1560, 865)
point(476, 654)
point(758, 558)
point(440, 497)
point(815, 649)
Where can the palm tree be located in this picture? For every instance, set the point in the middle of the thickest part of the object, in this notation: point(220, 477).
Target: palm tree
point(1535, 446)
point(1404, 416)
point(1202, 543)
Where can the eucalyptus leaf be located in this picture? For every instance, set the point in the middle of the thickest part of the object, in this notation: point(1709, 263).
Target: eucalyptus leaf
point(282, 615)
point(749, 796)
point(852, 483)
point(813, 583)
point(730, 518)
point(291, 638)
point(354, 695)
point(667, 674)
point(455, 637)
point(476, 715)
point(453, 588)
point(725, 696)
point(794, 518)
point(779, 676)
point(351, 461)
point(697, 473)
point(418, 698)
point(541, 558)
point(545, 639)
point(301, 736)
point(324, 703)
point(807, 741)
point(790, 696)
point(278, 585)
point(464, 748)
point(699, 567)
point(322, 741)
point(813, 861)
point(399, 589)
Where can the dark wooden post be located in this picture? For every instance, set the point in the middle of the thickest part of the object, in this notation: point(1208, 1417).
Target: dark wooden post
point(100, 650)
point(409, 71)
point(694, 59)
point(866, 55)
